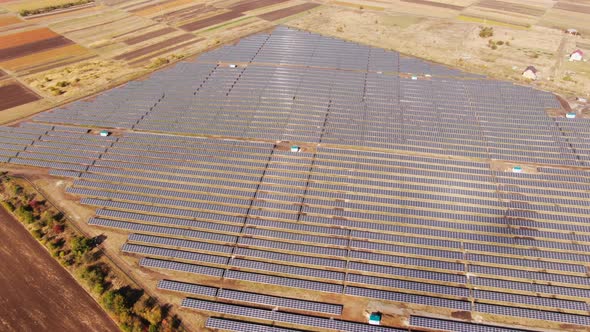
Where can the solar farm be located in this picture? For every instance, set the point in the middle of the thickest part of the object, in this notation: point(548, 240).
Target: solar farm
point(296, 182)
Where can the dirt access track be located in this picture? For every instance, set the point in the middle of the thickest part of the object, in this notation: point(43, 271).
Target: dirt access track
point(36, 293)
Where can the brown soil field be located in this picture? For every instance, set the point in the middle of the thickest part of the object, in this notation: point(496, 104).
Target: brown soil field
point(26, 37)
point(249, 5)
point(149, 35)
point(36, 59)
point(2, 74)
point(37, 294)
point(434, 4)
point(8, 20)
point(168, 50)
point(286, 12)
point(154, 47)
point(572, 7)
point(35, 47)
point(211, 21)
point(184, 13)
point(511, 7)
point(132, 31)
point(15, 94)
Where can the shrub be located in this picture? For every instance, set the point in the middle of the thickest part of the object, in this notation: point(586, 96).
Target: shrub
point(494, 47)
point(58, 228)
point(499, 42)
point(486, 32)
point(62, 84)
point(94, 276)
point(8, 206)
point(81, 245)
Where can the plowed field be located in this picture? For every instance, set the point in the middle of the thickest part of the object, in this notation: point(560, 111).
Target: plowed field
point(8, 20)
point(250, 5)
point(26, 37)
point(36, 59)
point(154, 47)
point(37, 293)
point(211, 21)
point(286, 12)
point(34, 47)
point(15, 94)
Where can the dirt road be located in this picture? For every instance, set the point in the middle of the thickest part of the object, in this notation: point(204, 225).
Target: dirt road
point(36, 293)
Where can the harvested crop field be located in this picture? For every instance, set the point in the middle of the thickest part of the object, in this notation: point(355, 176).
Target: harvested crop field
point(286, 12)
point(33, 47)
point(37, 293)
point(213, 20)
point(149, 35)
point(434, 4)
point(155, 47)
point(578, 8)
point(26, 37)
point(512, 7)
point(315, 185)
point(251, 5)
point(14, 94)
point(8, 20)
point(52, 55)
point(160, 7)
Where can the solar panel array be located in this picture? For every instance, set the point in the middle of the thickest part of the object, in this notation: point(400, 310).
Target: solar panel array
point(337, 218)
point(217, 308)
point(281, 94)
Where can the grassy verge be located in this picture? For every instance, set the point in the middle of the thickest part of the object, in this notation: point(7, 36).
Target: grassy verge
point(43, 10)
point(133, 310)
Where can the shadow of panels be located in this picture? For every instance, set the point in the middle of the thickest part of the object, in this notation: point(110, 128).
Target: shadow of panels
point(234, 325)
point(448, 325)
point(279, 316)
point(577, 136)
point(533, 314)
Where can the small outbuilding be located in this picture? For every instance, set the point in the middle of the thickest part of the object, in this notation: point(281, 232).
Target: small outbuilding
point(530, 72)
point(572, 31)
point(571, 115)
point(295, 148)
point(104, 133)
point(375, 318)
point(516, 169)
point(577, 55)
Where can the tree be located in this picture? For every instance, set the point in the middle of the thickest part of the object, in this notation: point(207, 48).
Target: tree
point(81, 245)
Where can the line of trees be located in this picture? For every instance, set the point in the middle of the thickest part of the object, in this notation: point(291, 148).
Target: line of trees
point(131, 308)
point(37, 11)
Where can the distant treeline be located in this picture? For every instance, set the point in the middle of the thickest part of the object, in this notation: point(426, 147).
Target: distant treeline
point(29, 12)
